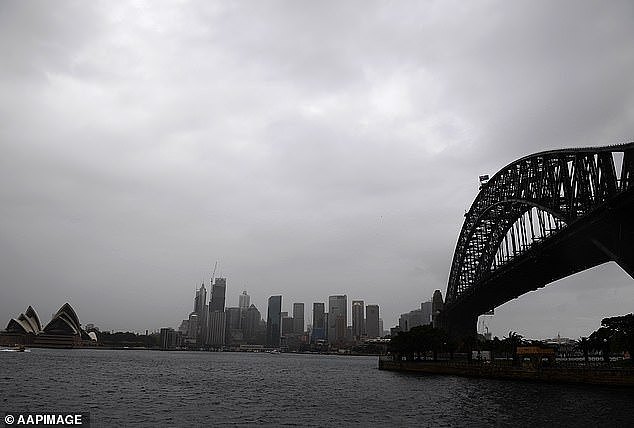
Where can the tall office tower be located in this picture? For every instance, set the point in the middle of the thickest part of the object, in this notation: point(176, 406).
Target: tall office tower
point(244, 300)
point(192, 327)
point(436, 306)
point(319, 321)
point(217, 326)
point(372, 321)
point(184, 327)
point(233, 331)
point(200, 300)
point(274, 321)
point(287, 325)
point(252, 323)
point(426, 308)
point(218, 291)
point(337, 317)
point(381, 331)
point(203, 326)
point(298, 318)
point(358, 319)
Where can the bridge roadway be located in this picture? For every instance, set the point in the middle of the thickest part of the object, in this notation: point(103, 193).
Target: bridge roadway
point(606, 234)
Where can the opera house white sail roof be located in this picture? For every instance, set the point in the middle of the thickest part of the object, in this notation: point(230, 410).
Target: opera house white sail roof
point(65, 321)
point(27, 322)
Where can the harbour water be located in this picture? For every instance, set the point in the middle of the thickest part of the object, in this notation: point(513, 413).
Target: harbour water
point(151, 388)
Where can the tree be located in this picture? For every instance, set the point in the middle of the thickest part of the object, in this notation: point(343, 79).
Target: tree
point(418, 342)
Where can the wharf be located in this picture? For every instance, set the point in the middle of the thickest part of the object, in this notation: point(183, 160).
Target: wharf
point(577, 373)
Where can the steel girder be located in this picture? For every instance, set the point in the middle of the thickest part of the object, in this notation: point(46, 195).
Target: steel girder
point(567, 184)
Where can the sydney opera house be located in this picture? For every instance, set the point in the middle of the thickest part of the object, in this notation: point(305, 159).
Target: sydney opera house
point(63, 331)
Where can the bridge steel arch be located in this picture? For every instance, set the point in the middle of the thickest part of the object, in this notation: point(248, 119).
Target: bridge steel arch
point(587, 192)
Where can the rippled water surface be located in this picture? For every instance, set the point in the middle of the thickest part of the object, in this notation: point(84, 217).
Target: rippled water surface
point(151, 388)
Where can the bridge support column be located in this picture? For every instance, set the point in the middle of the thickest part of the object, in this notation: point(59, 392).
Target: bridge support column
point(618, 243)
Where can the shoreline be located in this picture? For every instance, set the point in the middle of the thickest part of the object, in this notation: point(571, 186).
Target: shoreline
point(612, 376)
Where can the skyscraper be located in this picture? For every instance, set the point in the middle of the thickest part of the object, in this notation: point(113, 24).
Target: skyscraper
point(426, 308)
point(337, 318)
point(200, 300)
point(319, 321)
point(217, 326)
point(244, 300)
point(274, 321)
point(252, 324)
point(218, 291)
point(358, 321)
point(200, 309)
point(298, 318)
point(372, 321)
point(436, 305)
point(233, 326)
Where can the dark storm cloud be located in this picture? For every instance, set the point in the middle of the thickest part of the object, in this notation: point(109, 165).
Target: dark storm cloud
point(315, 148)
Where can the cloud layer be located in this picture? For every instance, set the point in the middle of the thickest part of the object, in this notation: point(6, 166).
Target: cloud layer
point(313, 149)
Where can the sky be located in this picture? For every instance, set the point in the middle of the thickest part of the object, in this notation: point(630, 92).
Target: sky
point(311, 148)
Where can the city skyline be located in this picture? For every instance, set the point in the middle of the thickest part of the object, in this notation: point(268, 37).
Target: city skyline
point(315, 149)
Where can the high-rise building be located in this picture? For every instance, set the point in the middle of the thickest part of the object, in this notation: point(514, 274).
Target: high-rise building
point(414, 318)
point(200, 300)
point(319, 321)
point(298, 318)
point(426, 308)
point(436, 305)
point(168, 338)
point(193, 327)
point(217, 327)
point(252, 324)
point(200, 306)
point(287, 325)
point(337, 318)
point(218, 290)
point(358, 321)
point(244, 300)
point(233, 327)
point(274, 321)
point(372, 321)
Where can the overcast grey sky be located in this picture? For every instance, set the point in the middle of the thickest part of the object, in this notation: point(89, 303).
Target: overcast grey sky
point(314, 148)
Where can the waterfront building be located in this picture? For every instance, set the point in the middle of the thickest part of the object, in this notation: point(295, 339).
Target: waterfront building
point(63, 330)
point(251, 327)
point(192, 326)
point(319, 321)
point(298, 318)
point(372, 321)
point(337, 317)
point(233, 326)
point(412, 319)
point(358, 319)
point(274, 321)
point(218, 291)
point(244, 300)
point(287, 325)
point(168, 338)
point(217, 327)
point(184, 327)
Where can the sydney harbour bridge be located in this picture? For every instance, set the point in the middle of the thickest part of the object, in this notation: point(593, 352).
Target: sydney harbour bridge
point(540, 219)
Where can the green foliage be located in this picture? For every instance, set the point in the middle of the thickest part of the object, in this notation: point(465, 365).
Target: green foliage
point(121, 339)
point(418, 341)
point(616, 334)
